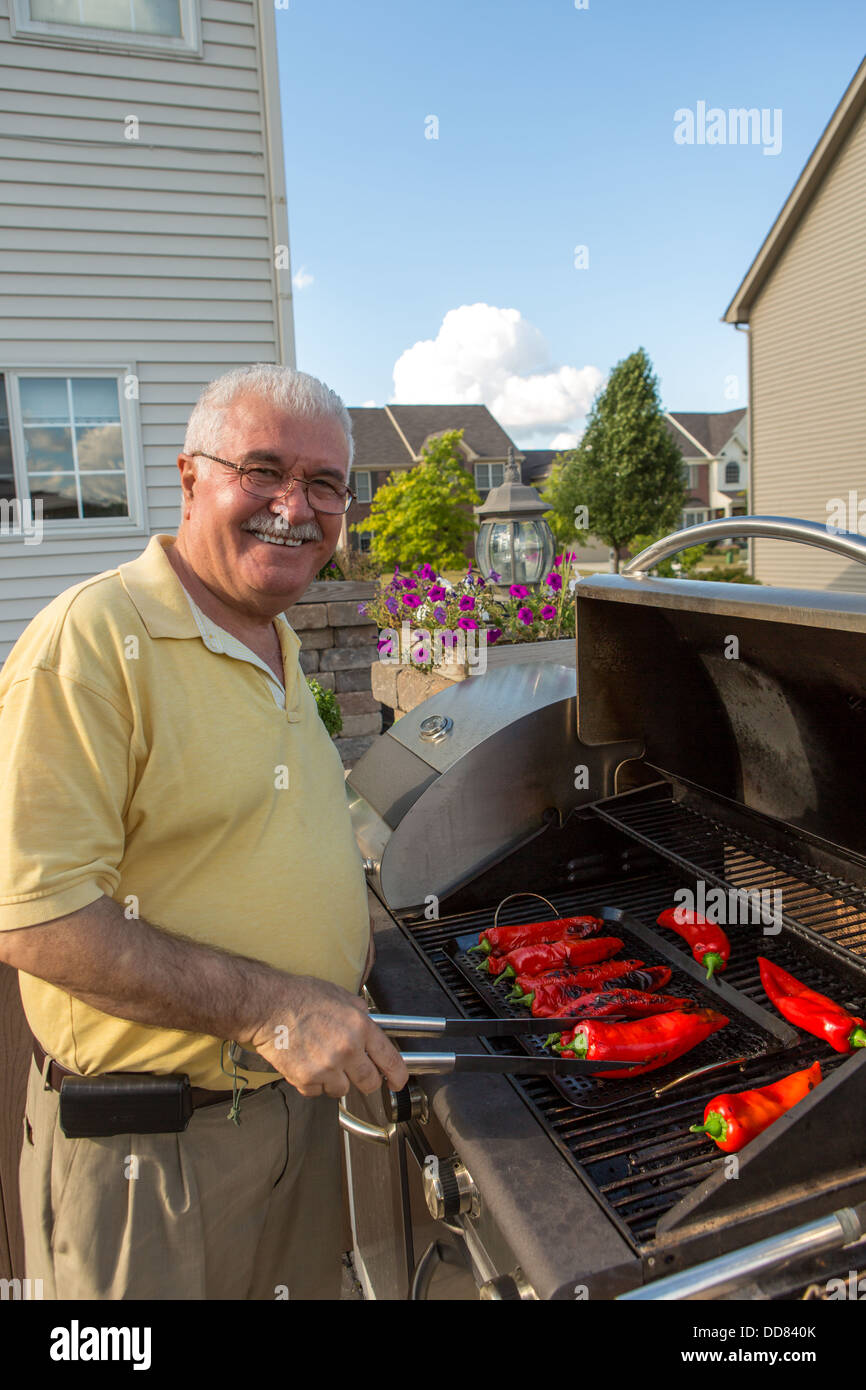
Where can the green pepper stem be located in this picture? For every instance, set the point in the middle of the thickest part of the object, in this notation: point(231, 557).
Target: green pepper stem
point(552, 1039)
point(858, 1038)
point(715, 1126)
point(483, 947)
point(713, 961)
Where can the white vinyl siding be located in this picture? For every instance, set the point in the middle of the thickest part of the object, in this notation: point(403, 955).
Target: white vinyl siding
point(808, 367)
point(155, 254)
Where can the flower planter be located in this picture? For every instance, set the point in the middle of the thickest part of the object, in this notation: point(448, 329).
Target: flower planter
point(402, 688)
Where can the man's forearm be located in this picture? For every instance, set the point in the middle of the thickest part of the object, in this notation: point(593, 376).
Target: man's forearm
point(139, 972)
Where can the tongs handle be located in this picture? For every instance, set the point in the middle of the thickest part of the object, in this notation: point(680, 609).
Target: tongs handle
point(410, 1025)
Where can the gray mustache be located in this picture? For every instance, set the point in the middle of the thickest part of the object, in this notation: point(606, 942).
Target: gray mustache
point(271, 525)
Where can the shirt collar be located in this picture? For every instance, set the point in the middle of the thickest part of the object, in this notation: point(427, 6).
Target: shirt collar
point(161, 599)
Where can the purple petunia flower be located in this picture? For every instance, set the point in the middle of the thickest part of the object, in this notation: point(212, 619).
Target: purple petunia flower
point(548, 612)
point(392, 605)
point(412, 600)
point(420, 655)
point(437, 591)
point(519, 591)
point(426, 572)
point(440, 614)
point(362, 607)
point(493, 634)
point(387, 643)
point(466, 604)
point(494, 576)
point(554, 581)
point(467, 623)
point(448, 638)
point(525, 615)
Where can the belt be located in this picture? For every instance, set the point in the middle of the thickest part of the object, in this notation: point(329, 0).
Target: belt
point(200, 1095)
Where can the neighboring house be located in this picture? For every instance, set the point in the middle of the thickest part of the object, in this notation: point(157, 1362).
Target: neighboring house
point(391, 439)
point(143, 214)
point(804, 300)
point(715, 462)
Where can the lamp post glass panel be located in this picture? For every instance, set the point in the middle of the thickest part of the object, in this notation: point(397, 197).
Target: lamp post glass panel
point(513, 539)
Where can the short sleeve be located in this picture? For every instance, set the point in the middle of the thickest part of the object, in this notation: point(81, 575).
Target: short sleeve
point(64, 777)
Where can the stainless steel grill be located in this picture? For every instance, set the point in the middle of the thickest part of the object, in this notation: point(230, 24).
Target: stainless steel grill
point(740, 776)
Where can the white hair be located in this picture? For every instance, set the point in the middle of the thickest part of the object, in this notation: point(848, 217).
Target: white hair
point(296, 393)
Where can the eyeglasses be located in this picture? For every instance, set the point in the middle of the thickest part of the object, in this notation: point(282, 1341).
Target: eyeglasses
point(260, 480)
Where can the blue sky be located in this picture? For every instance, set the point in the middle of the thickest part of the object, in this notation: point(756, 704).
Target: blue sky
point(555, 130)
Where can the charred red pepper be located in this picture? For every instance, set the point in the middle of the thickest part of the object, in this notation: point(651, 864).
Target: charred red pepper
point(531, 960)
point(736, 1117)
point(546, 1001)
point(710, 947)
point(625, 1003)
point(651, 1042)
point(498, 941)
point(591, 977)
point(811, 1011)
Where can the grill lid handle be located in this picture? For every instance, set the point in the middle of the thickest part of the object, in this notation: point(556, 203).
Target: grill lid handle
point(781, 528)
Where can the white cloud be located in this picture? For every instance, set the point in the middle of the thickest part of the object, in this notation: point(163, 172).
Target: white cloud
point(483, 355)
point(302, 278)
point(371, 404)
point(564, 440)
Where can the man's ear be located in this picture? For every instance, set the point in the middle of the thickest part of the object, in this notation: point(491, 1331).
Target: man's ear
point(188, 476)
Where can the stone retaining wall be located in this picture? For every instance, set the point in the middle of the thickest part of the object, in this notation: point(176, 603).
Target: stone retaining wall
point(338, 647)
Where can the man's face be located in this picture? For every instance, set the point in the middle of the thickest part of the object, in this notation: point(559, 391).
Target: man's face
point(224, 528)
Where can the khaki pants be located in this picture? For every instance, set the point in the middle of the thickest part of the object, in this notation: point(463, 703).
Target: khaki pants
point(221, 1211)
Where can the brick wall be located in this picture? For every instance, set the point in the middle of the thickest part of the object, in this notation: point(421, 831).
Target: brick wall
point(338, 647)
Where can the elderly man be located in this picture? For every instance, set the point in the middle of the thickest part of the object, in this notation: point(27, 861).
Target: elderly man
point(178, 872)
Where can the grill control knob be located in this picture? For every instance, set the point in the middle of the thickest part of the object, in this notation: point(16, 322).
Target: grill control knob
point(510, 1287)
point(408, 1104)
point(448, 1188)
point(435, 728)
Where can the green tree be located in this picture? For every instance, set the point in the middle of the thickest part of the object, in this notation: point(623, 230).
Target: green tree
point(626, 471)
point(424, 514)
point(560, 518)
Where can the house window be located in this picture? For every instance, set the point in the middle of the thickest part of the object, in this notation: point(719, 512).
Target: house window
point(163, 25)
point(694, 518)
point(488, 475)
point(732, 474)
point(65, 443)
point(364, 541)
point(361, 485)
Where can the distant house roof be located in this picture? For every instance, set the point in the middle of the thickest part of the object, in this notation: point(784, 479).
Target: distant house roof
point(821, 160)
point(700, 433)
point(537, 464)
point(377, 443)
point(484, 435)
point(393, 436)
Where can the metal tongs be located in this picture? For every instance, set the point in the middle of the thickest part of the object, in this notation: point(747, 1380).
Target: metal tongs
point(439, 1063)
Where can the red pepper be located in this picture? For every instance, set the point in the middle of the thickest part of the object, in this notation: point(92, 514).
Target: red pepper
point(548, 1001)
point(652, 1042)
point(498, 941)
point(710, 947)
point(591, 977)
point(736, 1117)
point(626, 1003)
point(531, 960)
point(811, 1011)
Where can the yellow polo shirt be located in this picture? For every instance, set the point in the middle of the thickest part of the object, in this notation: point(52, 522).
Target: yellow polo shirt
point(136, 762)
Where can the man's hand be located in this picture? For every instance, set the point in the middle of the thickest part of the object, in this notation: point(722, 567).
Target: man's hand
point(321, 1040)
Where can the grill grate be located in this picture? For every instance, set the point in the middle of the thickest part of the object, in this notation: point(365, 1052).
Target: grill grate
point(639, 1160)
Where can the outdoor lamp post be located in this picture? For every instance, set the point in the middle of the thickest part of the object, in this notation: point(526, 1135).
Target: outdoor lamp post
point(513, 540)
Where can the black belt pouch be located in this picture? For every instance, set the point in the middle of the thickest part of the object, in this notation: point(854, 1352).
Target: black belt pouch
point(93, 1107)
